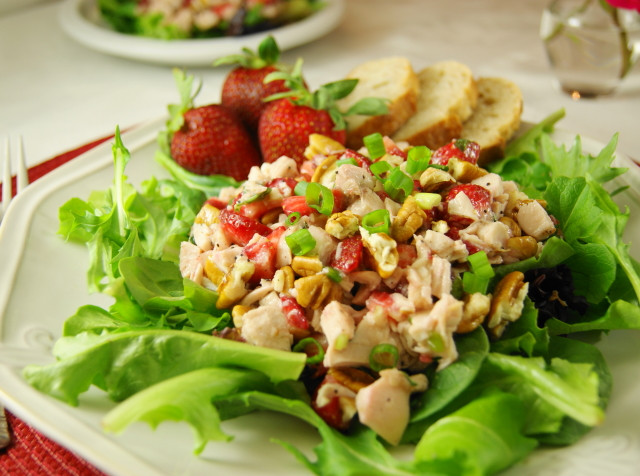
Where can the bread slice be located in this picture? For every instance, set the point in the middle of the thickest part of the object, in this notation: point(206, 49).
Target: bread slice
point(390, 78)
point(496, 117)
point(448, 96)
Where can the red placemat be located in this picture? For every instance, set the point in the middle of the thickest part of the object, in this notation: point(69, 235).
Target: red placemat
point(30, 452)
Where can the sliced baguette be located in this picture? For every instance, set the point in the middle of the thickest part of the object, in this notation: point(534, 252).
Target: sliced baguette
point(448, 96)
point(496, 117)
point(390, 78)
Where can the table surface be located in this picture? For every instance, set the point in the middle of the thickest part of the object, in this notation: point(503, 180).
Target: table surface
point(59, 95)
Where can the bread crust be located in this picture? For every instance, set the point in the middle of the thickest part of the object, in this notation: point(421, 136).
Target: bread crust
point(448, 96)
point(390, 78)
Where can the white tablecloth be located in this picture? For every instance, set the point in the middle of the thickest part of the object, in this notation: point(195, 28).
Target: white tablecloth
point(60, 94)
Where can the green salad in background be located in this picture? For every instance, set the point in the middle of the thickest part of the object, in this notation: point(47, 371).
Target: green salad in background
point(544, 382)
point(169, 20)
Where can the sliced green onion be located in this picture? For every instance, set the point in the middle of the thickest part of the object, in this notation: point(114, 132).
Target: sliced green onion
point(436, 342)
point(398, 185)
point(348, 160)
point(427, 201)
point(300, 242)
point(383, 356)
point(439, 166)
point(480, 265)
point(472, 283)
point(375, 145)
point(377, 221)
point(333, 274)
point(292, 219)
point(418, 159)
point(341, 342)
point(319, 198)
point(314, 358)
point(380, 168)
point(301, 188)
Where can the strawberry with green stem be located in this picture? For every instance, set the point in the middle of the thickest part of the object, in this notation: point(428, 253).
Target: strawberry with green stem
point(244, 88)
point(209, 139)
point(292, 115)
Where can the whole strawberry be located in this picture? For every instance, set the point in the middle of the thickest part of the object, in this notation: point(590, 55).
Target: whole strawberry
point(244, 88)
point(213, 140)
point(285, 125)
point(209, 139)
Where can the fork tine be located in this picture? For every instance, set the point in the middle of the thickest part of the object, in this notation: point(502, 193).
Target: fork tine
point(22, 179)
point(6, 177)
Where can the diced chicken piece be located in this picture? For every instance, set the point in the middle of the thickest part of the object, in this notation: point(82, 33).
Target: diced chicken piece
point(282, 167)
point(534, 220)
point(265, 288)
point(431, 332)
point(201, 234)
point(283, 252)
point(461, 206)
point(419, 279)
point(352, 180)
point(227, 194)
point(373, 329)
point(369, 280)
point(440, 244)
point(487, 236)
point(325, 244)
point(366, 202)
point(330, 390)
point(392, 207)
point(338, 324)
point(492, 182)
point(440, 277)
point(191, 266)
point(266, 326)
point(383, 406)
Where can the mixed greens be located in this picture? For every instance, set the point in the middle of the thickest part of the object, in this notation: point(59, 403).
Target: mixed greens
point(542, 383)
point(168, 20)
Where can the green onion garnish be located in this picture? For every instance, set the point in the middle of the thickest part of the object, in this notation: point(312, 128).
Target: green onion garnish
point(375, 145)
point(301, 188)
point(300, 242)
point(341, 342)
point(319, 198)
point(383, 356)
point(480, 264)
point(314, 358)
point(334, 274)
point(427, 201)
point(348, 160)
point(398, 185)
point(379, 168)
point(477, 280)
point(292, 219)
point(438, 166)
point(418, 159)
point(377, 221)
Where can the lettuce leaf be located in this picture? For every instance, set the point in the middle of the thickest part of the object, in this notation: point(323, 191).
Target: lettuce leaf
point(127, 362)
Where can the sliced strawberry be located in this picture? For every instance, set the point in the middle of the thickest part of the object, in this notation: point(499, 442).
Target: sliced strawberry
point(362, 161)
point(216, 202)
point(462, 149)
point(338, 201)
point(392, 148)
point(262, 254)
point(240, 229)
point(297, 204)
point(258, 208)
point(331, 413)
point(348, 254)
point(296, 317)
point(479, 196)
point(407, 254)
point(284, 185)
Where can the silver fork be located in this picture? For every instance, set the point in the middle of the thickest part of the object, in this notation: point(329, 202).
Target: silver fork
point(7, 194)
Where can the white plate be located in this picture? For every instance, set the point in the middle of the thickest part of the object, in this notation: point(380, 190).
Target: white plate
point(80, 19)
point(42, 282)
